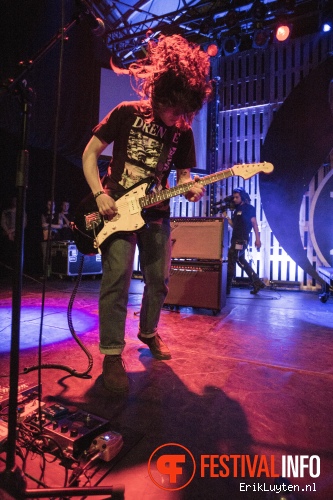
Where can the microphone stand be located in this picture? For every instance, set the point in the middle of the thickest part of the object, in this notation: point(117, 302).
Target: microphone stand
point(12, 479)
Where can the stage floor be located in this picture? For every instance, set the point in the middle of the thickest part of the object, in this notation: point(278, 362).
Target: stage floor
point(246, 391)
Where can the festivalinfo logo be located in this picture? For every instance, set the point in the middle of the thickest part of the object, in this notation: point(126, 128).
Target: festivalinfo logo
point(173, 466)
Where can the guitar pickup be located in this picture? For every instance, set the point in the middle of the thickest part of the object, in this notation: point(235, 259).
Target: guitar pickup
point(92, 220)
point(132, 204)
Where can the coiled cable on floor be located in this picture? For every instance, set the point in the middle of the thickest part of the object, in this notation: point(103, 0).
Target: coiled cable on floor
point(57, 366)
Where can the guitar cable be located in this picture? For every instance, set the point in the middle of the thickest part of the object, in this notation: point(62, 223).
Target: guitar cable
point(72, 371)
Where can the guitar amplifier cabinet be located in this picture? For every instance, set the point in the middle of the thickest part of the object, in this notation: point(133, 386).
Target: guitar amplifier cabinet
point(66, 259)
point(198, 238)
point(197, 284)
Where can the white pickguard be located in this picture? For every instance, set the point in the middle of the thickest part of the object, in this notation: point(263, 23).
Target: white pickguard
point(128, 217)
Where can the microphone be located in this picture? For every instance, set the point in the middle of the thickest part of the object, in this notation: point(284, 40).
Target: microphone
point(96, 24)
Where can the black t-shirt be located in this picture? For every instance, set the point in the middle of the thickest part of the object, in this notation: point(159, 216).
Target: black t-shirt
point(137, 146)
point(241, 219)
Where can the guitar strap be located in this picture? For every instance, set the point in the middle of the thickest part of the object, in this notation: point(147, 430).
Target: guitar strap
point(160, 166)
point(105, 180)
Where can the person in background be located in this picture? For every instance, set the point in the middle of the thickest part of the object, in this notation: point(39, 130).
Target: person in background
point(65, 219)
point(243, 220)
point(149, 137)
point(50, 222)
point(8, 219)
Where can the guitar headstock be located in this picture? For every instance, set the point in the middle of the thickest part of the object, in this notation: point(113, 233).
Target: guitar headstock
point(248, 170)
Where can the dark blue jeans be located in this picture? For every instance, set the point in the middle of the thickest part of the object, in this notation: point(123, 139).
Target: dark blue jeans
point(237, 256)
point(154, 246)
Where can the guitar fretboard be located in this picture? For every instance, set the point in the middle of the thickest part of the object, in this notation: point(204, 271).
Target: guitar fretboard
point(154, 198)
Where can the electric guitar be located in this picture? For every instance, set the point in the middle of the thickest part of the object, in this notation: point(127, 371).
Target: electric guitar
point(91, 229)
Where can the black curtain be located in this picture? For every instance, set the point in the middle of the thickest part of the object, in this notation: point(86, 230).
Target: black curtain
point(298, 142)
point(26, 30)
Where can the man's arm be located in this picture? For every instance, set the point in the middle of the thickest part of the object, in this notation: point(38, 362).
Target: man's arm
point(256, 232)
point(95, 147)
point(228, 219)
point(45, 224)
point(197, 190)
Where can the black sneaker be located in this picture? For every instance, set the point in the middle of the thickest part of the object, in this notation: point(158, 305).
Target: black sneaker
point(157, 347)
point(257, 285)
point(114, 374)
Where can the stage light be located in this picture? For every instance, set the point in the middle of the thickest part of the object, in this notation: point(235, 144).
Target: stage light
point(212, 50)
point(230, 45)
point(326, 27)
point(261, 38)
point(282, 32)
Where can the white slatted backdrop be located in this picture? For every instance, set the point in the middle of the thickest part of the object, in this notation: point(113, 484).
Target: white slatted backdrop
point(252, 87)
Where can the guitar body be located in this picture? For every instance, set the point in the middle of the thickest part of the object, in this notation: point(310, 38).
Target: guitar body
point(91, 229)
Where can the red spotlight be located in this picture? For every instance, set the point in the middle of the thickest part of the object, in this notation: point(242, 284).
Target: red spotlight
point(212, 50)
point(282, 32)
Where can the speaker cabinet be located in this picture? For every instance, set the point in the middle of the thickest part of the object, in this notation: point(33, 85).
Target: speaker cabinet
point(198, 275)
point(201, 285)
point(198, 238)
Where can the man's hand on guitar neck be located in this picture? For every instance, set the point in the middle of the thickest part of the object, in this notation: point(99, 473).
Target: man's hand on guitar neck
point(197, 190)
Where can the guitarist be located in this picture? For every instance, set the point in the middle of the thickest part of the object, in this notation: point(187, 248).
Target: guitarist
point(150, 136)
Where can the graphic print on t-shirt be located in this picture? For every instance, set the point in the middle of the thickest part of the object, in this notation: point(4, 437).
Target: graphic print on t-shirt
point(144, 149)
point(132, 174)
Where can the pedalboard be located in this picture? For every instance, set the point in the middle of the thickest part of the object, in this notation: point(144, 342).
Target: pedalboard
point(74, 432)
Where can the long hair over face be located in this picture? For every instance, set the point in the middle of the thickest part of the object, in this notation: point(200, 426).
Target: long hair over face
point(174, 74)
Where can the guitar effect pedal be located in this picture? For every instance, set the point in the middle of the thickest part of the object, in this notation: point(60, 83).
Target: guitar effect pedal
point(108, 444)
point(75, 432)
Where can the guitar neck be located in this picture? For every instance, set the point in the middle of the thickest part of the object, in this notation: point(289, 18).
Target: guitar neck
point(165, 194)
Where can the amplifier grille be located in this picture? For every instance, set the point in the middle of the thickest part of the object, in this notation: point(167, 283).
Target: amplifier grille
point(197, 238)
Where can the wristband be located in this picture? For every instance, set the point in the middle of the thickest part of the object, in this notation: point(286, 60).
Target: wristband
point(98, 194)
